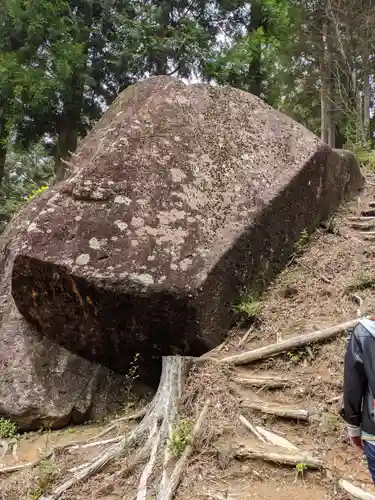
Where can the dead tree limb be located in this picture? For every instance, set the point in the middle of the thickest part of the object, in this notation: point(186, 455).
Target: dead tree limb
point(246, 423)
point(354, 491)
point(265, 381)
point(278, 410)
point(275, 439)
point(280, 457)
point(289, 344)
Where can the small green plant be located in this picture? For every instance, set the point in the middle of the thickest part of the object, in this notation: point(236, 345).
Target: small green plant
point(302, 241)
point(48, 472)
point(37, 191)
point(8, 429)
point(249, 306)
point(295, 357)
point(301, 467)
point(180, 437)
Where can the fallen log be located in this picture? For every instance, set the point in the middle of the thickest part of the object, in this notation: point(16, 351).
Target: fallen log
point(288, 344)
point(279, 457)
point(359, 226)
point(363, 218)
point(265, 381)
point(368, 213)
point(354, 491)
point(278, 410)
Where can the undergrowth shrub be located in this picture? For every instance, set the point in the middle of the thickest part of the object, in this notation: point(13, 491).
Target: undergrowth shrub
point(8, 429)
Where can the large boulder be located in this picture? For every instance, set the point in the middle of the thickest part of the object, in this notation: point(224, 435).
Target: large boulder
point(40, 381)
point(181, 199)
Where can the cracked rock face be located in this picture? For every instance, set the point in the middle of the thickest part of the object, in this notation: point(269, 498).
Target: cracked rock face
point(181, 198)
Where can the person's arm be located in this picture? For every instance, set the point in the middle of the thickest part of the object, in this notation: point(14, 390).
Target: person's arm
point(354, 389)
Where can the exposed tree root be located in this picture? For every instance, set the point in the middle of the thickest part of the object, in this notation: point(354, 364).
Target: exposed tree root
point(149, 441)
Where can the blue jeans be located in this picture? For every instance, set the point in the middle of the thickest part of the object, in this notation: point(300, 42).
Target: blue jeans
point(369, 450)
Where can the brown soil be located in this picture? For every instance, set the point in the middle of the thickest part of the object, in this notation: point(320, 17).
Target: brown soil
point(313, 292)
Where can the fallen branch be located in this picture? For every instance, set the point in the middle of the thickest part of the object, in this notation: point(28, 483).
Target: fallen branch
point(25, 465)
point(359, 226)
point(333, 400)
point(245, 337)
point(354, 491)
point(368, 213)
point(362, 218)
point(252, 429)
point(289, 344)
point(215, 350)
point(279, 457)
point(265, 381)
point(275, 439)
point(278, 410)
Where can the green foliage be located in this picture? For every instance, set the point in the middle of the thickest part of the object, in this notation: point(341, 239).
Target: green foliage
point(8, 429)
point(180, 437)
point(26, 175)
point(366, 158)
point(37, 191)
point(249, 306)
point(302, 241)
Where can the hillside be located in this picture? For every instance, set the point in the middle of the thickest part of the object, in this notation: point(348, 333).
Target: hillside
point(326, 282)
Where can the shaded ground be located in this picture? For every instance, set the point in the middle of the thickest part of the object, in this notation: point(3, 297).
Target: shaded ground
point(315, 291)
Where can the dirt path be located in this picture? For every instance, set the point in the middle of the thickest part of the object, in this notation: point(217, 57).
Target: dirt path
point(318, 289)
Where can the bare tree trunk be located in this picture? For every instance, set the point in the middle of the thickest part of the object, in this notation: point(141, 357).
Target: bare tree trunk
point(330, 84)
point(3, 147)
point(324, 104)
point(366, 88)
point(66, 144)
point(326, 72)
point(3, 153)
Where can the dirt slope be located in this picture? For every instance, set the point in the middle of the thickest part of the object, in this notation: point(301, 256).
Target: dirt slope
point(315, 291)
